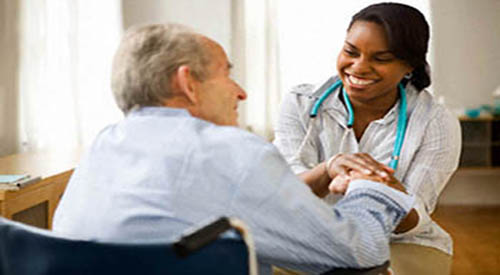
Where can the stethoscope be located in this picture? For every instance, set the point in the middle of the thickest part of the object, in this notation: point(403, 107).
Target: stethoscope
point(400, 130)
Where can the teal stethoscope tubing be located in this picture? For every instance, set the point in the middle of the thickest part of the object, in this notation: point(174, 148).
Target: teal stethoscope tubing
point(402, 120)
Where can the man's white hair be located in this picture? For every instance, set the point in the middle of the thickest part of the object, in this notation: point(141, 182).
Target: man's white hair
point(146, 59)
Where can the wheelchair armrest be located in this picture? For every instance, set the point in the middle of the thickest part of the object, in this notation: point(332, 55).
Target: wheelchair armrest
point(377, 270)
point(201, 237)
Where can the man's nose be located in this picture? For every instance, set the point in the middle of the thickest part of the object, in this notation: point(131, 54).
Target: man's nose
point(241, 94)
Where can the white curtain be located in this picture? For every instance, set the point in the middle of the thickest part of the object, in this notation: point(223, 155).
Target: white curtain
point(255, 52)
point(278, 44)
point(66, 49)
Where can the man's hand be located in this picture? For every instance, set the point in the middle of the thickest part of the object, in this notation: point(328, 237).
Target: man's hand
point(340, 183)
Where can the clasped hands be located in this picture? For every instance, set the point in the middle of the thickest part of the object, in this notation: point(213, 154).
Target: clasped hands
point(343, 168)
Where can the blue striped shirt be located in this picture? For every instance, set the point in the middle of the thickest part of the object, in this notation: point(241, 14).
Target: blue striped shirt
point(161, 171)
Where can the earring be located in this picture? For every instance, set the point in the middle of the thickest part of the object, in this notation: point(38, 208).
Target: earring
point(408, 75)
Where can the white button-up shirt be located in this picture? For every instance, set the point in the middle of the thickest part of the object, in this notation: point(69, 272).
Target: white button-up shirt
point(161, 171)
point(429, 155)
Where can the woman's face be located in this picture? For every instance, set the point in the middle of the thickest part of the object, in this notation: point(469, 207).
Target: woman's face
point(369, 71)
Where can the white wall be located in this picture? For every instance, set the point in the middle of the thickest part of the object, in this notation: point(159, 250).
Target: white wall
point(472, 187)
point(466, 70)
point(466, 37)
point(8, 76)
point(209, 17)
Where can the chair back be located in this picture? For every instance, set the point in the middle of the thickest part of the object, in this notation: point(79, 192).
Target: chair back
point(25, 250)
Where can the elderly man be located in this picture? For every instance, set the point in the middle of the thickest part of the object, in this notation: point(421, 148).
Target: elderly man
point(175, 160)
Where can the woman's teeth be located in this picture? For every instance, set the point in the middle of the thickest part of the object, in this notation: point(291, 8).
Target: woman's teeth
point(358, 81)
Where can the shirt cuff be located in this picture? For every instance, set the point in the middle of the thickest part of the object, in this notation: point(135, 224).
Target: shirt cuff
point(405, 201)
point(298, 169)
point(423, 220)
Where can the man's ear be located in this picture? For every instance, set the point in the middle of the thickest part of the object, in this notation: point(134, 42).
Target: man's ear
point(187, 83)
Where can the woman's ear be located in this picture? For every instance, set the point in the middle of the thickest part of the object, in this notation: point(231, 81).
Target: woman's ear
point(187, 83)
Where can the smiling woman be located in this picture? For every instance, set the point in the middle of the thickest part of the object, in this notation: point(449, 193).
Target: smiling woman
point(369, 70)
point(376, 118)
point(300, 47)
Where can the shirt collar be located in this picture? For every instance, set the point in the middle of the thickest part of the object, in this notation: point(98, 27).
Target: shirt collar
point(159, 110)
point(334, 106)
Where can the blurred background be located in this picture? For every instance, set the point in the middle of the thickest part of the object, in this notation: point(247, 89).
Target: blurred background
point(56, 57)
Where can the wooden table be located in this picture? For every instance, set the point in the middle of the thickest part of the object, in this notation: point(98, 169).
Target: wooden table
point(35, 204)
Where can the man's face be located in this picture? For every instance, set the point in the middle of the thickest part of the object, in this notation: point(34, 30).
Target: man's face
point(219, 95)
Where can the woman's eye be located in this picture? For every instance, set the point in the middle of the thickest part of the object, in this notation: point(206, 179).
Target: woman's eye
point(383, 59)
point(350, 53)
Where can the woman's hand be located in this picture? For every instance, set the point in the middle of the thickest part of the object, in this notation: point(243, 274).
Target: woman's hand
point(343, 164)
point(338, 168)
